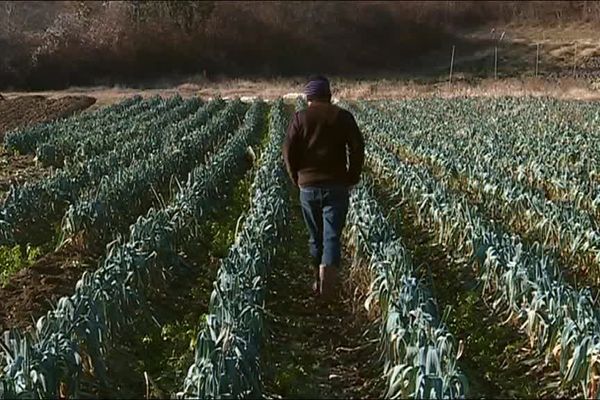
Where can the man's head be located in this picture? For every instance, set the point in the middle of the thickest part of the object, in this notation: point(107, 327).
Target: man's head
point(317, 89)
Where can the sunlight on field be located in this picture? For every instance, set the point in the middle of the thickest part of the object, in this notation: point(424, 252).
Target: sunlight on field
point(469, 209)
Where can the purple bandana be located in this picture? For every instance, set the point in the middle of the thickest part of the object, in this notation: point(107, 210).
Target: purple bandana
point(317, 89)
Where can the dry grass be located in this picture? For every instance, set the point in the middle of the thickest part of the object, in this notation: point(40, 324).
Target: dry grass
point(566, 89)
point(553, 33)
point(560, 44)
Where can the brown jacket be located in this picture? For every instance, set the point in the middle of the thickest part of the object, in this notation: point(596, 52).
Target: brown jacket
point(323, 146)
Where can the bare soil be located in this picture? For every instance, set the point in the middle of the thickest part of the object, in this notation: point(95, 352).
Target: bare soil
point(34, 290)
point(18, 169)
point(20, 112)
point(23, 111)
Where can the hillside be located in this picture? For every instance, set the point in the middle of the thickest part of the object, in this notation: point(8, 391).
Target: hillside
point(54, 45)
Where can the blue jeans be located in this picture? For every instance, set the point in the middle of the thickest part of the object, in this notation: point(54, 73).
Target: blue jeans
point(324, 210)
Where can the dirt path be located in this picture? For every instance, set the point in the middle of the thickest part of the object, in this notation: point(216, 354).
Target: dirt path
point(313, 351)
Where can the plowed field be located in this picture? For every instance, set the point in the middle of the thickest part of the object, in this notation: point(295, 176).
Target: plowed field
point(28, 110)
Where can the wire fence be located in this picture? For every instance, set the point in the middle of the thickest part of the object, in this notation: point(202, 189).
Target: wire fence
point(569, 60)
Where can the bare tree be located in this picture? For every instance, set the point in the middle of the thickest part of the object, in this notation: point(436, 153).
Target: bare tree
point(8, 14)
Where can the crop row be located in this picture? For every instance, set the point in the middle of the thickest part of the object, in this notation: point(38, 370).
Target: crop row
point(555, 151)
point(420, 355)
point(71, 342)
point(227, 362)
point(558, 226)
point(524, 280)
point(86, 143)
point(118, 198)
point(26, 141)
point(44, 201)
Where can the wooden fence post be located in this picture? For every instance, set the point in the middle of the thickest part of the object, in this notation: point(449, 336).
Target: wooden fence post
point(574, 61)
point(537, 60)
point(496, 62)
point(451, 64)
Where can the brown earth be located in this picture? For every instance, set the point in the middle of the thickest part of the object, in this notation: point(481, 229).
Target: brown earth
point(34, 290)
point(23, 111)
point(18, 169)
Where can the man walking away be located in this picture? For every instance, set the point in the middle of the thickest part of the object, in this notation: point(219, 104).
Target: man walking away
point(324, 155)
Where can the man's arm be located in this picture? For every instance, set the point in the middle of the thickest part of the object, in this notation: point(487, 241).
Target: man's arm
point(356, 148)
point(291, 147)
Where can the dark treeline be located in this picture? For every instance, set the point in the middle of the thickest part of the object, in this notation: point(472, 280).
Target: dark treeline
point(59, 44)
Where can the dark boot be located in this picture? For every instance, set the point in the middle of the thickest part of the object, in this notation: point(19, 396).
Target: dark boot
point(328, 281)
point(316, 284)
